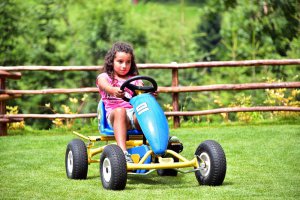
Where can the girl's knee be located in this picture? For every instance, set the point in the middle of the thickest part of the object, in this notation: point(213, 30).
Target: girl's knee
point(120, 110)
point(119, 115)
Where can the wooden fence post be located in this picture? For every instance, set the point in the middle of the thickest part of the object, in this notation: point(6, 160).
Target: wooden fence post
point(3, 125)
point(175, 96)
point(3, 97)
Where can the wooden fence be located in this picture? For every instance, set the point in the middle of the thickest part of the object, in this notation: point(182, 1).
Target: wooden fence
point(175, 89)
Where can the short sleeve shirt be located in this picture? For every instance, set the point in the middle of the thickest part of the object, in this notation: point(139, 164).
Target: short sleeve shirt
point(112, 102)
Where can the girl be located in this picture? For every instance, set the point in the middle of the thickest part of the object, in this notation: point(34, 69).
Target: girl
point(119, 65)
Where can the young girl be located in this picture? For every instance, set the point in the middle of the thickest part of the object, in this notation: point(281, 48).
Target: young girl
point(119, 65)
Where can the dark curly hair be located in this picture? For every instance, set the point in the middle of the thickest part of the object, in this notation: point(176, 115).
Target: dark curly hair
point(110, 56)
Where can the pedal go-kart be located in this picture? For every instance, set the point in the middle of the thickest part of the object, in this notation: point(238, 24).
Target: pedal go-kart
point(152, 149)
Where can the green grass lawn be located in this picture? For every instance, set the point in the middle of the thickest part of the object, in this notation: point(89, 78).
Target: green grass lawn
point(263, 162)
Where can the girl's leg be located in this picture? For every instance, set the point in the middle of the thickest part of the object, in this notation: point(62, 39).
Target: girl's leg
point(120, 122)
point(136, 123)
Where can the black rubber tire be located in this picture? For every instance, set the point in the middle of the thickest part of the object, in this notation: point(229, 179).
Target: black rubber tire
point(168, 172)
point(212, 156)
point(76, 160)
point(113, 168)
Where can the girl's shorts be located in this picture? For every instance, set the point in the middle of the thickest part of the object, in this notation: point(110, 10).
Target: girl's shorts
point(129, 112)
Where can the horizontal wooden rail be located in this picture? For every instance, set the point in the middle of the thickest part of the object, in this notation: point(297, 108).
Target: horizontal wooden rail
point(49, 116)
point(4, 97)
point(234, 109)
point(179, 113)
point(217, 87)
point(10, 75)
point(220, 64)
point(51, 68)
point(51, 91)
point(9, 120)
point(159, 66)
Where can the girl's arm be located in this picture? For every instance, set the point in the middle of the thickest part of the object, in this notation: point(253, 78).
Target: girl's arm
point(105, 86)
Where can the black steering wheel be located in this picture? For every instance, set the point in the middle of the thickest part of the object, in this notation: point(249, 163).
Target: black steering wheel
point(135, 88)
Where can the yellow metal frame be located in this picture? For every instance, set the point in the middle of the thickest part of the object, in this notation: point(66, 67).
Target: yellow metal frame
point(137, 140)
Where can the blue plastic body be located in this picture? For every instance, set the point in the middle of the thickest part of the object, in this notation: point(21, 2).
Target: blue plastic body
point(141, 150)
point(152, 120)
point(103, 126)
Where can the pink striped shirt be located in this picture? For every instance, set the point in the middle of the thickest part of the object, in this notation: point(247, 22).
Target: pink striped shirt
point(112, 102)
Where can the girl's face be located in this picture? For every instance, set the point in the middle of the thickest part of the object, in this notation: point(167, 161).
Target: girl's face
point(122, 64)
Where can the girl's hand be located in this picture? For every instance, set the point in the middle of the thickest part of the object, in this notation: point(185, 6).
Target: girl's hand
point(118, 93)
point(105, 86)
point(155, 94)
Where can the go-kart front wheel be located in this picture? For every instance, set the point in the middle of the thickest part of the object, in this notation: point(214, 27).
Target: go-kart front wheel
point(113, 168)
point(76, 160)
point(212, 162)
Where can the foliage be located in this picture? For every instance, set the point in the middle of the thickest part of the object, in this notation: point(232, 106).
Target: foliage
point(245, 101)
point(108, 24)
point(283, 97)
point(75, 106)
point(281, 23)
point(49, 34)
point(269, 97)
point(11, 32)
point(168, 108)
point(76, 32)
point(14, 125)
point(209, 37)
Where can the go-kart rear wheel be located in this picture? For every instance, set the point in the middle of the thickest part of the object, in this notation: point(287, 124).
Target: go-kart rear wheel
point(113, 169)
point(76, 160)
point(212, 161)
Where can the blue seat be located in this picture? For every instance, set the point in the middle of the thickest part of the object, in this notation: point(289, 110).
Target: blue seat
point(103, 126)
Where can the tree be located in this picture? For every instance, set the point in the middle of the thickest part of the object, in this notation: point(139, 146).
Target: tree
point(209, 37)
point(281, 22)
point(10, 50)
point(48, 34)
point(44, 38)
point(107, 25)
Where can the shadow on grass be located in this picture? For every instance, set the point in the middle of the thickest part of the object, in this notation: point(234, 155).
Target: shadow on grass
point(148, 181)
point(93, 177)
point(173, 182)
point(226, 184)
point(151, 180)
